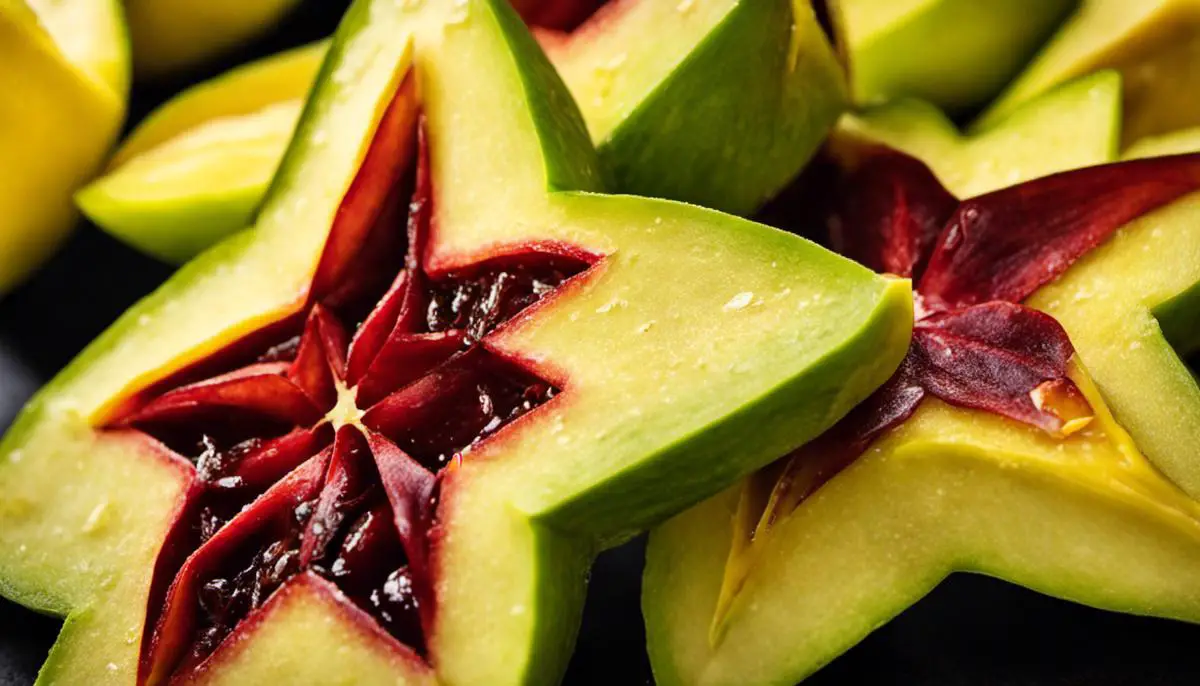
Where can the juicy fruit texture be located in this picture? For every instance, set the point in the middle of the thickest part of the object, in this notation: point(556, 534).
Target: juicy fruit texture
point(662, 84)
point(321, 453)
point(973, 352)
point(551, 411)
point(63, 73)
point(1076, 125)
point(955, 54)
point(1155, 45)
point(171, 35)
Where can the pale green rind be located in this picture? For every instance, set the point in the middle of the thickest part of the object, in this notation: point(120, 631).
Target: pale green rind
point(953, 53)
point(1074, 126)
point(509, 589)
point(934, 498)
point(737, 118)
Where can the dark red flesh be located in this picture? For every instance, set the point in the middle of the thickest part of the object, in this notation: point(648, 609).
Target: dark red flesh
point(279, 488)
point(974, 345)
point(558, 15)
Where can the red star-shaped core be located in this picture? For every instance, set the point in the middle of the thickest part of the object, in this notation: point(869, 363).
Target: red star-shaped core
point(973, 262)
point(318, 441)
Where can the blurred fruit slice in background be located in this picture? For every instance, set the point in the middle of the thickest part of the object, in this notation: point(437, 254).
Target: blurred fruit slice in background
point(719, 103)
point(1155, 44)
point(229, 132)
point(956, 54)
point(64, 78)
point(170, 35)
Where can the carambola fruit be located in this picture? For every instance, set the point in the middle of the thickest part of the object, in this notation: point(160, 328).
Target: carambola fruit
point(1075, 125)
point(379, 437)
point(64, 73)
point(991, 450)
point(956, 54)
point(1155, 44)
point(718, 103)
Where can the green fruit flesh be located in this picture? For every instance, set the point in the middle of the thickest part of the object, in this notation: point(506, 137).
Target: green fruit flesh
point(1080, 122)
point(948, 491)
point(1155, 45)
point(715, 103)
point(668, 363)
point(954, 53)
point(1092, 518)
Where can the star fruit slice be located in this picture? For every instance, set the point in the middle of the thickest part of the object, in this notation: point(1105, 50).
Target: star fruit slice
point(1073, 126)
point(990, 451)
point(380, 437)
point(64, 73)
point(1155, 45)
point(665, 87)
point(956, 54)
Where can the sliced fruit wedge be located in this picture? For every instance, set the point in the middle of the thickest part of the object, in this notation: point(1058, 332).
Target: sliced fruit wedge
point(64, 71)
point(171, 35)
point(665, 87)
point(1174, 143)
point(1155, 45)
point(990, 450)
point(382, 434)
point(955, 54)
point(1075, 125)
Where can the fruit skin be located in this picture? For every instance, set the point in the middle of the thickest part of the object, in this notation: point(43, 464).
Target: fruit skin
point(661, 378)
point(172, 35)
point(64, 72)
point(665, 112)
point(1086, 519)
point(718, 104)
point(1155, 44)
point(1080, 122)
point(954, 53)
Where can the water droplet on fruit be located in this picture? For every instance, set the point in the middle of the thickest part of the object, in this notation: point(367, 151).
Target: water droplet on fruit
point(319, 137)
point(96, 518)
point(646, 326)
point(739, 301)
point(16, 456)
point(112, 667)
point(517, 610)
point(685, 6)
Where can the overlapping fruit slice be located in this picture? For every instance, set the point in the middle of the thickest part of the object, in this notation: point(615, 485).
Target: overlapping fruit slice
point(319, 453)
point(988, 385)
point(380, 437)
point(974, 345)
point(654, 79)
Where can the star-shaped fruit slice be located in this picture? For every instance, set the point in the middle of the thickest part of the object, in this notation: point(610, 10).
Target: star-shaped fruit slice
point(990, 450)
point(1155, 45)
point(714, 102)
point(64, 77)
point(1076, 125)
point(379, 438)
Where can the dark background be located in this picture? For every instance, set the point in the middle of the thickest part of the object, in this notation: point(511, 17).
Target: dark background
point(970, 631)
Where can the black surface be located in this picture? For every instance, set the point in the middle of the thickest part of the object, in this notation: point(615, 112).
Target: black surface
point(970, 631)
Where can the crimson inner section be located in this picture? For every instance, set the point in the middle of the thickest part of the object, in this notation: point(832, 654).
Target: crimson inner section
point(318, 441)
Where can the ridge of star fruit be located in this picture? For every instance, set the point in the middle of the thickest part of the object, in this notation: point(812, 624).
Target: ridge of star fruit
point(319, 441)
point(974, 344)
